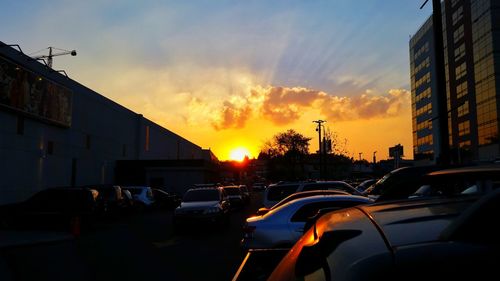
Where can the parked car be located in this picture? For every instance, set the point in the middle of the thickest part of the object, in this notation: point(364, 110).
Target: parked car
point(276, 192)
point(208, 205)
point(129, 200)
point(143, 196)
point(110, 199)
point(365, 184)
point(298, 195)
point(53, 208)
point(258, 186)
point(399, 184)
point(426, 239)
point(283, 226)
point(245, 193)
point(234, 195)
point(459, 181)
point(165, 200)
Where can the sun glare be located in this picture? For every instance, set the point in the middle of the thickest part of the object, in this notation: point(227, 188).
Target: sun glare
point(238, 154)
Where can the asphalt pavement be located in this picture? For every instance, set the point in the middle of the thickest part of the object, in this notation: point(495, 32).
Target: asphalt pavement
point(136, 247)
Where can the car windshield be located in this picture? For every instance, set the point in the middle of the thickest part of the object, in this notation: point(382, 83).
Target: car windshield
point(232, 190)
point(279, 192)
point(306, 194)
point(201, 195)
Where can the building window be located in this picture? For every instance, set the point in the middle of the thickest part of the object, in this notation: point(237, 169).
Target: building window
point(458, 34)
point(458, 15)
point(146, 144)
point(421, 50)
point(462, 90)
point(464, 128)
point(460, 52)
point(50, 147)
point(463, 109)
point(426, 109)
point(425, 79)
point(464, 144)
point(460, 71)
point(20, 125)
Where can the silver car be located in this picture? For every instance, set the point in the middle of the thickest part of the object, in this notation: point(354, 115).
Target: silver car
point(283, 226)
point(276, 192)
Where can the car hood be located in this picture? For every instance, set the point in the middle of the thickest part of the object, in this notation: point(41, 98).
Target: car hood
point(198, 205)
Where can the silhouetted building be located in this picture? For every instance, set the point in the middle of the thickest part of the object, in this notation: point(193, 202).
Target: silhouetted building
point(471, 38)
point(57, 132)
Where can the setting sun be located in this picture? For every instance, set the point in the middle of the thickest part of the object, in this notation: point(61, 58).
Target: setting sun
point(238, 154)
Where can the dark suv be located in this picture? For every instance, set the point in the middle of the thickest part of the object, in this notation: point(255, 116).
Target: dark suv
point(399, 184)
point(53, 208)
point(210, 205)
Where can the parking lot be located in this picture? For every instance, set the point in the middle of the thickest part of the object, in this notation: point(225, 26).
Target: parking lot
point(137, 247)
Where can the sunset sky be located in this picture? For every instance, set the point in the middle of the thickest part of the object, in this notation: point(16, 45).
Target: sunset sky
point(226, 74)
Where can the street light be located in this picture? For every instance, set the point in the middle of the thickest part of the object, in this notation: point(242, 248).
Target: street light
point(318, 129)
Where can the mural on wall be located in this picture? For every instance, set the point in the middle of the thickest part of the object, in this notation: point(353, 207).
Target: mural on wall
point(34, 95)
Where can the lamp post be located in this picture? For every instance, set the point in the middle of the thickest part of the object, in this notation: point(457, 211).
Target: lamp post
point(320, 154)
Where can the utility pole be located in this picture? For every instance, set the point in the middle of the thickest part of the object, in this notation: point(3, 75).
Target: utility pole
point(320, 154)
point(442, 112)
point(374, 157)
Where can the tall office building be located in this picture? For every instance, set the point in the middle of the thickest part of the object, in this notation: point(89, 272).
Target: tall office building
point(471, 39)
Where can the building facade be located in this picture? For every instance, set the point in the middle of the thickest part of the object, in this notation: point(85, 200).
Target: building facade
point(471, 39)
point(56, 132)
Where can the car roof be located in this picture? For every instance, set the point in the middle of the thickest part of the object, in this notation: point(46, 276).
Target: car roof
point(415, 221)
point(314, 198)
point(218, 188)
point(484, 171)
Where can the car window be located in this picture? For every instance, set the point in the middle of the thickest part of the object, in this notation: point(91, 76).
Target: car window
point(307, 211)
point(195, 195)
point(278, 192)
point(313, 186)
point(232, 191)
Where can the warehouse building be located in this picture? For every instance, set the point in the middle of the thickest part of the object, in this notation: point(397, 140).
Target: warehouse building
point(56, 132)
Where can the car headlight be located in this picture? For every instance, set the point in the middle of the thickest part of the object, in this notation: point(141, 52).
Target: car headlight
point(213, 210)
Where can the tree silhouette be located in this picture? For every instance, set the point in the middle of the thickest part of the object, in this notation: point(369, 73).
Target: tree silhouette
point(286, 153)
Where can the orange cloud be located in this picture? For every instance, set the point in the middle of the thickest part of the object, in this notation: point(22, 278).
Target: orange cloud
point(232, 116)
point(282, 106)
point(366, 106)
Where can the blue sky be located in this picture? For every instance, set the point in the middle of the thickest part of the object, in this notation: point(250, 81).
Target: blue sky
point(202, 55)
